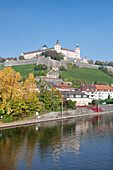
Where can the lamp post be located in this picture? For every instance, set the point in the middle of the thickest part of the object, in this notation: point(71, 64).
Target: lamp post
point(97, 108)
point(98, 105)
point(62, 107)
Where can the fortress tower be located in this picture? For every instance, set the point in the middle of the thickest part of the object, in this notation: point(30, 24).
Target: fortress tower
point(44, 47)
point(77, 51)
point(57, 47)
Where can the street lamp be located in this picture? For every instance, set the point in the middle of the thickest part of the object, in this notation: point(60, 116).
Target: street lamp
point(62, 107)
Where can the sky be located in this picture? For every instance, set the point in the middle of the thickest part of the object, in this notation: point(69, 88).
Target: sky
point(26, 25)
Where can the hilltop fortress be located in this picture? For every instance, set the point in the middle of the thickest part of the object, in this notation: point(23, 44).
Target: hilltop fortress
point(69, 55)
point(72, 56)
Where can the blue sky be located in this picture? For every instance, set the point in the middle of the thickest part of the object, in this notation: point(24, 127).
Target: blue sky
point(25, 25)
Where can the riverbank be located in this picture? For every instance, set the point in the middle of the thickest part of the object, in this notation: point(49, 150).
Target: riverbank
point(42, 119)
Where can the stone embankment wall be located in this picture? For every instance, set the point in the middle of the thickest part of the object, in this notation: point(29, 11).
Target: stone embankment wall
point(82, 65)
point(78, 111)
point(57, 114)
point(83, 111)
point(20, 62)
point(50, 80)
point(109, 68)
point(40, 60)
point(87, 65)
point(52, 63)
point(106, 107)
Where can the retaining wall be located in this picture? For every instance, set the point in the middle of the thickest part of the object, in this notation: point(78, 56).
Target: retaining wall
point(83, 110)
point(82, 65)
point(87, 65)
point(106, 107)
point(20, 62)
point(78, 111)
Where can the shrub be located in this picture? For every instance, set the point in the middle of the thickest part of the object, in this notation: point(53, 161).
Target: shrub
point(40, 67)
point(77, 82)
point(62, 68)
point(21, 57)
point(53, 55)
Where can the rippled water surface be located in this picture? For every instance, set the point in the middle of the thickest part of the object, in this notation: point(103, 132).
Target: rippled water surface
point(82, 143)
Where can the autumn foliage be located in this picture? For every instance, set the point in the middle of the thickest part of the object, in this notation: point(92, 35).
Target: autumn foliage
point(17, 98)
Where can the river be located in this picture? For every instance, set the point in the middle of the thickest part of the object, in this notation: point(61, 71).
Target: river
point(81, 143)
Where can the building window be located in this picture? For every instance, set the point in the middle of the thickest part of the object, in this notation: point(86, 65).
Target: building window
point(71, 96)
point(78, 96)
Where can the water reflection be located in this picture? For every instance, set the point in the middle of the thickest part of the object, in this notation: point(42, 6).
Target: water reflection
point(48, 142)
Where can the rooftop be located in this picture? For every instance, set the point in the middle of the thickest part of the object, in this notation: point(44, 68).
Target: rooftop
point(63, 86)
point(87, 87)
point(103, 87)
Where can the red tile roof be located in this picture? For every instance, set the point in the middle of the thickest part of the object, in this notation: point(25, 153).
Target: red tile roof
point(103, 87)
point(38, 51)
point(93, 87)
point(43, 50)
point(65, 86)
point(67, 49)
point(87, 87)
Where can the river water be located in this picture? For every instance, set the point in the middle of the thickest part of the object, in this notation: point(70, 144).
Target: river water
point(81, 143)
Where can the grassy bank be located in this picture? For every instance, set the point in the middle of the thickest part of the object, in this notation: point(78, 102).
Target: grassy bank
point(26, 69)
point(87, 74)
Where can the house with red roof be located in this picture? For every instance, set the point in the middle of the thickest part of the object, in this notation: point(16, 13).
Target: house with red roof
point(65, 87)
point(103, 92)
point(97, 92)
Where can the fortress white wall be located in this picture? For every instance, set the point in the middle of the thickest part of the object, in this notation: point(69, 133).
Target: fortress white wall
point(72, 54)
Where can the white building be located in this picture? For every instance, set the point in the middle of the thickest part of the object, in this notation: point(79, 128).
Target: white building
point(102, 92)
point(80, 98)
point(54, 73)
point(74, 55)
point(96, 92)
point(65, 87)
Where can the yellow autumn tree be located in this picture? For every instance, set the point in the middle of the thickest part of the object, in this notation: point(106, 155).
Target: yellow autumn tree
point(10, 87)
point(31, 98)
point(17, 98)
point(10, 84)
point(30, 84)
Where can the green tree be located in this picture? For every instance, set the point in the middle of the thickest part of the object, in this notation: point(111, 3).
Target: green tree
point(40, 67)
point(21, 57)
point(95, 82)
point(91, 61)
point(2, 60)
point(110, 63)
point(51, 98)
point(108, 96)
point(69, 66)
point(53, 54)
point(62, 68)
point(77, 82)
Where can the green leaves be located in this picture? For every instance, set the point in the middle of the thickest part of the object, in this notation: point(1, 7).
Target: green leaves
point(17, 98)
